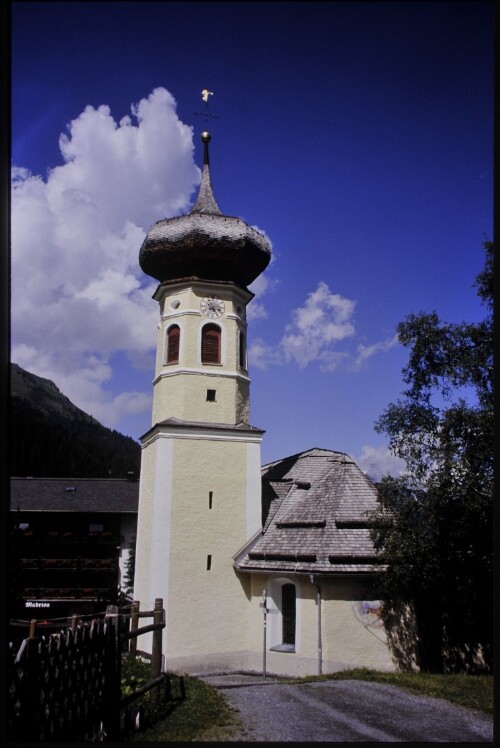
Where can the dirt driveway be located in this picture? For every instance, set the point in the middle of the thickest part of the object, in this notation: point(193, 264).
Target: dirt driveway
point(351, 711)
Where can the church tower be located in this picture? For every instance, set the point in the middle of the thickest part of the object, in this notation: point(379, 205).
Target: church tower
point(200, 486)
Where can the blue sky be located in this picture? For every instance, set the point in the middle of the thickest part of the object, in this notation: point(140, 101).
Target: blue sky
point(357, 135)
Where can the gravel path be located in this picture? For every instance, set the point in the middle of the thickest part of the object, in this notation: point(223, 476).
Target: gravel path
point(351, 711)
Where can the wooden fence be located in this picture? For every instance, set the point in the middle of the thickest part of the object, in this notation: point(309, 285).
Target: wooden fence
point(67, 686)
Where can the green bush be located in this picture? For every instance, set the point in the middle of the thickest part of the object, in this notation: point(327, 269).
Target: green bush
point(149, 708)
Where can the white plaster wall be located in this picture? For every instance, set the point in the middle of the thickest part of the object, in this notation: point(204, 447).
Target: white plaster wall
point(253, 491)
point(144, 524)
point(183, 395)
point(154, 529)
point(347, 641)
point(180, 389)
point(207, 609)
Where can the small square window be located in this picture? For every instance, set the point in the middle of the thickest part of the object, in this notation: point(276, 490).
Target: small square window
point(210, 396)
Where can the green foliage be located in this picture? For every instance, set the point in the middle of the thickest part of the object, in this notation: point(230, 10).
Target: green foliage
point(128, 580)
point(154, 705)
point(134, 675)
point(434, 523)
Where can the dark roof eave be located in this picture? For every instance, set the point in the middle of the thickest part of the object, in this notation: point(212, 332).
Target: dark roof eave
point(73, 510)
point(307, 572)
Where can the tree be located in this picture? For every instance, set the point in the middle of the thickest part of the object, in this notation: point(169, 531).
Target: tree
point(434, 524)
point(128, 581)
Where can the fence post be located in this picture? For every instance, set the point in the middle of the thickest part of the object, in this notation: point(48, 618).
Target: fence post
point(30, 703)
point(134, 625)
point(114, 673)
point(158, 617)
point(33, 623)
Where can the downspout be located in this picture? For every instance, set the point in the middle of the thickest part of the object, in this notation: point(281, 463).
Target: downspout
point(320, 644)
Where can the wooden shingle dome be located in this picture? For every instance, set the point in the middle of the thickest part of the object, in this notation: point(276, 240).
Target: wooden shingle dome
point(204, 243)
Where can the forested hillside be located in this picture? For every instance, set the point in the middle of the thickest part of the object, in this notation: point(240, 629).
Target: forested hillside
point(52, 438)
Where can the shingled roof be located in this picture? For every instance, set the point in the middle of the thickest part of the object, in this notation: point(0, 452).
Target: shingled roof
point(107, 495)
point(314, 517)
point(205, 242)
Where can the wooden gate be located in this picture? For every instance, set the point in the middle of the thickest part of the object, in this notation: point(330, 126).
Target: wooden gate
point(62, 687)
point(67, 686)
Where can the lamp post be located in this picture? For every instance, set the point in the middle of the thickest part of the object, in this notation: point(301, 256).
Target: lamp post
point(320, 644)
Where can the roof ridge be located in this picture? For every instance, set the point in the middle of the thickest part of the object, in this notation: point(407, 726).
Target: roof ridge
point(305, 453)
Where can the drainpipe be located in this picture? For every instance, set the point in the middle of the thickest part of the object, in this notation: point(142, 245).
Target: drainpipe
point(318, 603)
point(265, 610)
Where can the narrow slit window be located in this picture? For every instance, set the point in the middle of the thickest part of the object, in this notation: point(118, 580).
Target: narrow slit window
point(242, 359)
point(173, 341)
point(210, 499)
point(211, 345)
point(209, 562)
point(210, 396)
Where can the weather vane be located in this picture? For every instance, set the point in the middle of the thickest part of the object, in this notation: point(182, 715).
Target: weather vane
point(204, 95)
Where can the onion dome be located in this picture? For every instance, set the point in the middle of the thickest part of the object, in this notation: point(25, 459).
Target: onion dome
point(204, 243)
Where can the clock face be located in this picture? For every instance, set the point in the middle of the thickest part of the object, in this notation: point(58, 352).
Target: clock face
point(212, 307)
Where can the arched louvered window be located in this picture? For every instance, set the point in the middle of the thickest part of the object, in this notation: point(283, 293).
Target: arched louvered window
point(288, 613)
point(173, 341)
point(242, 354)
point(211, 345)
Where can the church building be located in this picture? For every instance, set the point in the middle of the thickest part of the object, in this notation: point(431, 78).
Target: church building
point(258, 567)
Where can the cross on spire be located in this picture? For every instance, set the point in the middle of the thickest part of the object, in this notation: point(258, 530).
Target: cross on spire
point(206, 114)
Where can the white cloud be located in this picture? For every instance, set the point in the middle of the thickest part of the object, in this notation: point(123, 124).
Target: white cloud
point(261, 285)
point(367, 351)
point(78, 294)
point(325, 319)
point(316, 327)
point(379, 461)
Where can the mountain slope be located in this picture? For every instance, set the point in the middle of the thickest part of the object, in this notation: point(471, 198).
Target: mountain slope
point(50, 437)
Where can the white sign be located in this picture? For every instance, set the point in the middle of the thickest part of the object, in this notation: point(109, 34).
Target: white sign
point(36, 604)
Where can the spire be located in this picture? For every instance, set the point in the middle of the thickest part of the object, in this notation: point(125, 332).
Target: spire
point(205, 243)
point(206, 202)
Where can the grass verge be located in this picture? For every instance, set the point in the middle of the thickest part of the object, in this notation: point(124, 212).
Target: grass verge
point(203, 715)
